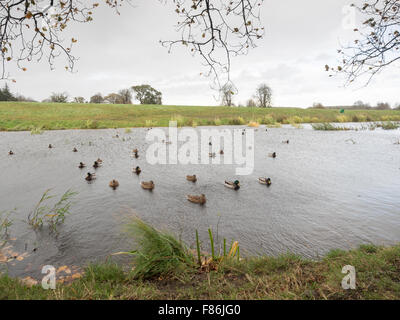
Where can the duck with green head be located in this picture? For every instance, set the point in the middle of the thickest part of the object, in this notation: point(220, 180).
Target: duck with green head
point(233, 185)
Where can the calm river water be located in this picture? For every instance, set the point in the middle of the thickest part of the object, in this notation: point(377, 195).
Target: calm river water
point(330, 190)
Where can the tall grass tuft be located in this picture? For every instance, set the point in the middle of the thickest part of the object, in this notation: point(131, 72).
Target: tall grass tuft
point(237, 121)
point(52, 215)
point(36, 130)
point(159, 254)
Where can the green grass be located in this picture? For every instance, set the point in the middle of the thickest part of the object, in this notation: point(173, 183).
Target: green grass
point(36, 117)
point(164, 268)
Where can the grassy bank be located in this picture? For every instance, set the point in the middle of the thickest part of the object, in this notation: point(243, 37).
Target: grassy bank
point(17, 116)
point(165, 268)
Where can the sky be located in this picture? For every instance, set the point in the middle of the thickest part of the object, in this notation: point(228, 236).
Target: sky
point(119, 51)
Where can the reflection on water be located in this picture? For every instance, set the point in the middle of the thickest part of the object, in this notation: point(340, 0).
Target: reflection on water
point(329, 190)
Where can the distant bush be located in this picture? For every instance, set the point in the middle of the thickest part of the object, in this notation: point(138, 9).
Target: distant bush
point(318, 105)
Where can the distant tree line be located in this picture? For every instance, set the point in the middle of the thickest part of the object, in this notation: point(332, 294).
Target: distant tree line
point(145, 94)
point(360, 105)
point(7, 95)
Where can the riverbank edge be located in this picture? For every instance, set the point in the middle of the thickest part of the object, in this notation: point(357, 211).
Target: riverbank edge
point(37, 117)
point(257, 278)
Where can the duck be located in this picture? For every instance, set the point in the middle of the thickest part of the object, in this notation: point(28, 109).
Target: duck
point(81, 165)
point(135, 151)
point(10, 153)
point(286, 141)
point(99, 160)
point(233, 185)
point(50, 146)
point(147, 185)
point(266, 181)
point(136, 155)
point(137, 170)
point(90, 176)
point(96, 165)
point(210, 143)
point(192, 178)
point(197, 199)
point(212, 155)
point(221, 152)
point(114, 184)
point(74, 150)
point(272, 155)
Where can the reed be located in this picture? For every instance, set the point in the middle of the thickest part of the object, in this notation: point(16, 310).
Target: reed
point(51, 215)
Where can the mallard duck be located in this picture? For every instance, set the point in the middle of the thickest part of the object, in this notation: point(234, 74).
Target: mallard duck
point(272, 155)
point(96, 165)
point(99, 160)
point(81, 165)
point(233, 185)
point(192, 178)
point(135, 151)
point(136, 155)
point(90, 176)
point(50, 146)
point(137, 170)
point(197, 199)
point(114, 184)
point(147, 185)
point(74, 150)
point(10, 153)
point(286, 141)
point(266, 181)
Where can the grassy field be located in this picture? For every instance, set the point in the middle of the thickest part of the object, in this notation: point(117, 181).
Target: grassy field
point(18, 116)
point(164, 268)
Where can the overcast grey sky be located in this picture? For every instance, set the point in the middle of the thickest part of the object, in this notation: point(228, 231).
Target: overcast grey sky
point(118, 51)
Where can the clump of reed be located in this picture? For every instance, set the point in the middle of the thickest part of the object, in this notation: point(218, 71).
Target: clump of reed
point(253, 124)
point(237, 121)
point(5, 224)
point(328, 127)
point(342, 118)
point(388, 125)
point(160, 254)
point(217, 122)
point(91, 124)
point(180, 120)
point(213, 262)
point(36, 130)
point(297, 125)
point(268, 119)
point(51, 215)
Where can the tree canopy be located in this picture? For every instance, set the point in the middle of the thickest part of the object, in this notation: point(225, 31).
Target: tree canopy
point(215, 30)
point(377, 43)
point(147, 94)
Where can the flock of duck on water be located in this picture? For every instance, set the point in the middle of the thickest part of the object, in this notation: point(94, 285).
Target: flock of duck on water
point(149, 185)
